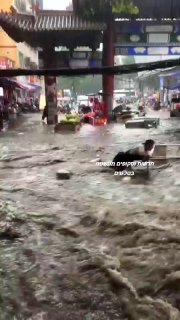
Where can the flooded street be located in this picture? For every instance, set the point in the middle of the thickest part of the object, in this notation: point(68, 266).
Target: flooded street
point(94, 247)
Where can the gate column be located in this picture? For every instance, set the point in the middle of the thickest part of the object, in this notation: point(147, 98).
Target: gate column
point(50, 86)
point(108, 61)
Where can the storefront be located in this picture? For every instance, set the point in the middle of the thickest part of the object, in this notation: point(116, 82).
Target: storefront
point(13, 89)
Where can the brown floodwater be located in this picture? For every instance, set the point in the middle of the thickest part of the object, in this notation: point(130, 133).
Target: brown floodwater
point(96, 246)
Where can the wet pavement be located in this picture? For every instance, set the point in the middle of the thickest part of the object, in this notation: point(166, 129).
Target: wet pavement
point(93, 247)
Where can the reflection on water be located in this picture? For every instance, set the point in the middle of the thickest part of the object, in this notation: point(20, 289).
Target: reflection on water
point(92, 247)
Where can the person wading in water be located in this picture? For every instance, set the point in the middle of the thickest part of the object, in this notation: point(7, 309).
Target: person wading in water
point(45, 113)
point(138, 154)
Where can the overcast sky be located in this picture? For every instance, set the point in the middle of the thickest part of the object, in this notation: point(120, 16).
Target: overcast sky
point(56, 4)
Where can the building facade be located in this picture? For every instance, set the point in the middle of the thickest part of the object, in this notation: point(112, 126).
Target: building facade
point(70, 6)
point(40, 3)
point(17, 55)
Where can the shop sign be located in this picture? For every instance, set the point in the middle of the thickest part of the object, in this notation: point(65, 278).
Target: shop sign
point(6, 63)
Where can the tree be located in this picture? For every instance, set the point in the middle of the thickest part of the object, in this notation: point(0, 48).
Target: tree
point(104, 10)
point(81, 85)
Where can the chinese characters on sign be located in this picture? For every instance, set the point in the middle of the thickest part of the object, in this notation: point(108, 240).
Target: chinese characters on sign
point(6, 63)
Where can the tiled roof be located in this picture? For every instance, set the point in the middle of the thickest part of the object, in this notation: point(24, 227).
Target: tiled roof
point(65, 22)
point(48, 21)
point(20, 21)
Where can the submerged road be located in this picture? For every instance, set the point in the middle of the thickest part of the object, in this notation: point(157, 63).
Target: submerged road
point(92, 247)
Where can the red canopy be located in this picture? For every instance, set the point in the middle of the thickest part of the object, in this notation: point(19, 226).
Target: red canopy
point(89, 115)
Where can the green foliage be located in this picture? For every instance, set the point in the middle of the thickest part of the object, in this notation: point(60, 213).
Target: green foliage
point(124, 6)
point(81, 85)
point(103, 10)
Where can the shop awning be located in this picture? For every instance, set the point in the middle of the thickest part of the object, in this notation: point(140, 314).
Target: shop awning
point(170, 72)
point(174, 86)
point(35, 86)
point(22, 85)
point(6, 82)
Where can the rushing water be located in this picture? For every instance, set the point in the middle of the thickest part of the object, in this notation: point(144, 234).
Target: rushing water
point(92, 247)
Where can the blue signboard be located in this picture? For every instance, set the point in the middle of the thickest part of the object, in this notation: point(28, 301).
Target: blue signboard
point(139, 27)
point(129, 27)
point(93, 63)
point(147, 51)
